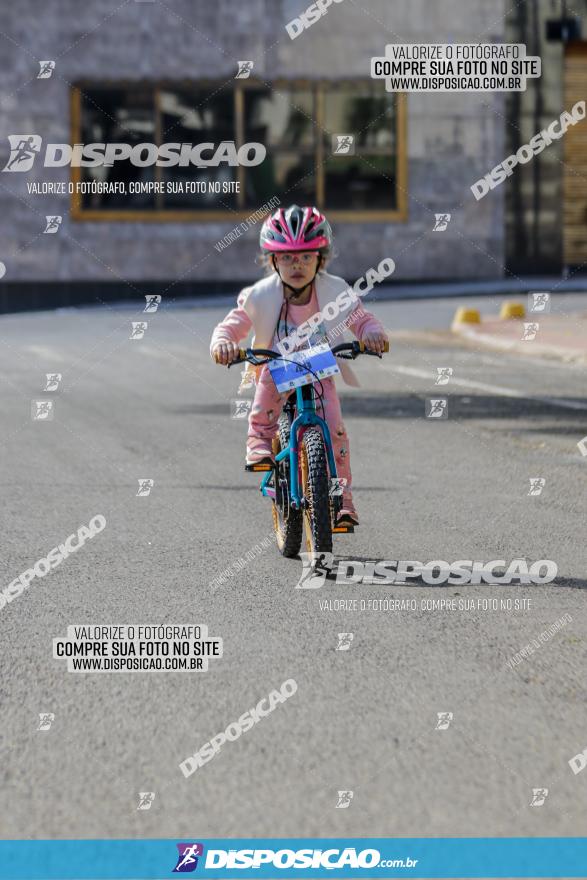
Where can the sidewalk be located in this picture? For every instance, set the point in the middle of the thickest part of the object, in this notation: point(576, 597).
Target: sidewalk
point(563, 337)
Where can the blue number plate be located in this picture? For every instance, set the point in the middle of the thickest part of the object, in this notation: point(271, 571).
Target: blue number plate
point(288, 375)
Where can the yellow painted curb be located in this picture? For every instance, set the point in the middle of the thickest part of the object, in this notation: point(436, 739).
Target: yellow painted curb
point(465, 316)
point(511, 309)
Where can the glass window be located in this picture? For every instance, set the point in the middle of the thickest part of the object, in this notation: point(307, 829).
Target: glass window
point(297, 124)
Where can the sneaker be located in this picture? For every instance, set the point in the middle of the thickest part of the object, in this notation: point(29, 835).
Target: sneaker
point(347, 515)
point(259, 456)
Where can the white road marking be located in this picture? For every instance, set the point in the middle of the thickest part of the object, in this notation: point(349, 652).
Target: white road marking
point(43, 351)
point(482, 386)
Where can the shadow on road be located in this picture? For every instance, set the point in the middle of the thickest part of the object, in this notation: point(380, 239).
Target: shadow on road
point(412, 406)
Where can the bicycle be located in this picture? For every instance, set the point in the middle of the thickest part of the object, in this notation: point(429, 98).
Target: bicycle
point(302, 480)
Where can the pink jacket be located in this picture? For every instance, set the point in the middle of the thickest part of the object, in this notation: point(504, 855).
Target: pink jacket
point(239, 322)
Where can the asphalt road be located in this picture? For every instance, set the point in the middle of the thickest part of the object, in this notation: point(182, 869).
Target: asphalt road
point(362, 719)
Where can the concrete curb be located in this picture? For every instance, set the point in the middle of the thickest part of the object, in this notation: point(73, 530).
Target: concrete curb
point(519, 347)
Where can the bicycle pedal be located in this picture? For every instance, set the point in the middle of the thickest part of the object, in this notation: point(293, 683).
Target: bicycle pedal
point(259, 466)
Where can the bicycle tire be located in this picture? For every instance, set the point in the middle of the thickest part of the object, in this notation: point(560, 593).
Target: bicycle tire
point(315, 482)
point(287, 521)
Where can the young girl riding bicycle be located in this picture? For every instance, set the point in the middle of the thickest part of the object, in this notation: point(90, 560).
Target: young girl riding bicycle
point(296, 244)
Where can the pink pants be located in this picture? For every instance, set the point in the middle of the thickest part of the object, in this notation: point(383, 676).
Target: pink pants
point(266, 409)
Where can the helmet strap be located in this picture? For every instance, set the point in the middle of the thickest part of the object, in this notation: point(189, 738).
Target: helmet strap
point(296, 291)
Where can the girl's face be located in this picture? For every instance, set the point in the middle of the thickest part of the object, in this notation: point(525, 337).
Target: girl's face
point(297, 268)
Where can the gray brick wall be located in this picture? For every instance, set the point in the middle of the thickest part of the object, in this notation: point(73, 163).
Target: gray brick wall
point(452, 139)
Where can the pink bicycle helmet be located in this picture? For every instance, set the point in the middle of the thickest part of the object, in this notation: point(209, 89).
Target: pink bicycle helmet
point(295, 229)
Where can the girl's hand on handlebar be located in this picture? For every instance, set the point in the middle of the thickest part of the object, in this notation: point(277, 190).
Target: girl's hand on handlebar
point(226, 352)
point(375, 341)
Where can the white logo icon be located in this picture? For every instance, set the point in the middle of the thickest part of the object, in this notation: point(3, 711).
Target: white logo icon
point(444, 374)
point(530, 331)
point(145, 487)
point(23, 149)
point(42, 410)
point(152, 302)
point(444, 719)
point(46, 69)
point(539, 795)
point(316, 568)
point(53, 223)
point(344, 641)
point(46, 719)
point(539, 302)
point(241, 408)
point(437, 408)
point(441, 222)
point(343, 144)
point(138, 329)
point(244, 69)
point(344, 800)
point(52, 381)
point(537, 484)
point(337, 486)
point(146, 798)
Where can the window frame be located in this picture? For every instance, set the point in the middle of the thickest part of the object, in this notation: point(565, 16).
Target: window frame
point(398, 214)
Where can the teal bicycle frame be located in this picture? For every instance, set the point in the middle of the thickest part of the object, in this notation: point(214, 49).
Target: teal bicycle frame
point(306, 415)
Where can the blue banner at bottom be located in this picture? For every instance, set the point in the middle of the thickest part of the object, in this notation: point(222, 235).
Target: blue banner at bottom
point(298, 857)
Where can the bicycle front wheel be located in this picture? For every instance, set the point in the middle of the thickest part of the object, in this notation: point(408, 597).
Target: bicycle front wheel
point(315, 483)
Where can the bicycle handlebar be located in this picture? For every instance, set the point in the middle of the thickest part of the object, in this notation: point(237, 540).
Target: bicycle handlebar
point(354, 349)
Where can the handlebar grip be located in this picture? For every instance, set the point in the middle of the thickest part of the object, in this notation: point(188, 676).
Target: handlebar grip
point(242, 353)
point(362, 346)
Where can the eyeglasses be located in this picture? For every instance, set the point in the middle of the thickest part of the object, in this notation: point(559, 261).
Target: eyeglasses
point(288, 259)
